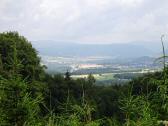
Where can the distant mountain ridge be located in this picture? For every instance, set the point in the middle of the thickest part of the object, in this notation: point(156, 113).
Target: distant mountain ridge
point(129, 50)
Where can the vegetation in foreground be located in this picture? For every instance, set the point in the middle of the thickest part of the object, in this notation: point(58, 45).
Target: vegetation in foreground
point(31, 97)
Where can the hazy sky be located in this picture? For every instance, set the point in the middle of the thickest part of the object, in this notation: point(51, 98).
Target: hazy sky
point(98, 21)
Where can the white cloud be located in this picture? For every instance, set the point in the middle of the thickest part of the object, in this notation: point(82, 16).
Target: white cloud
point(131, 2)
point(86, 20)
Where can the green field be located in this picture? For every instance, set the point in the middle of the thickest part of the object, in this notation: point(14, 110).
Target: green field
point(112, 76)
point(98, 77)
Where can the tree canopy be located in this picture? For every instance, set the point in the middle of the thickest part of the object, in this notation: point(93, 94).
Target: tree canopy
point(16, 47)
point(65, 101)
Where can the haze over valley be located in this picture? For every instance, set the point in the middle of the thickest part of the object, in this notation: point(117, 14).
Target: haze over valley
point(107, 62)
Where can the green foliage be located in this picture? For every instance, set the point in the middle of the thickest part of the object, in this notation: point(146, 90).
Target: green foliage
point(30, 97)
point(17, 50)
point(16, 103)
point(137, 110)
point(76, 115)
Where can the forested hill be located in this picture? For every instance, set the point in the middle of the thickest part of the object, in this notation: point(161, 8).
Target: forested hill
point(31, 97)
point(56, 48)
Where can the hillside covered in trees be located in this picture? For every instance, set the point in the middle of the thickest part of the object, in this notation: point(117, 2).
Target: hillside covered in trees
point(31, 97)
